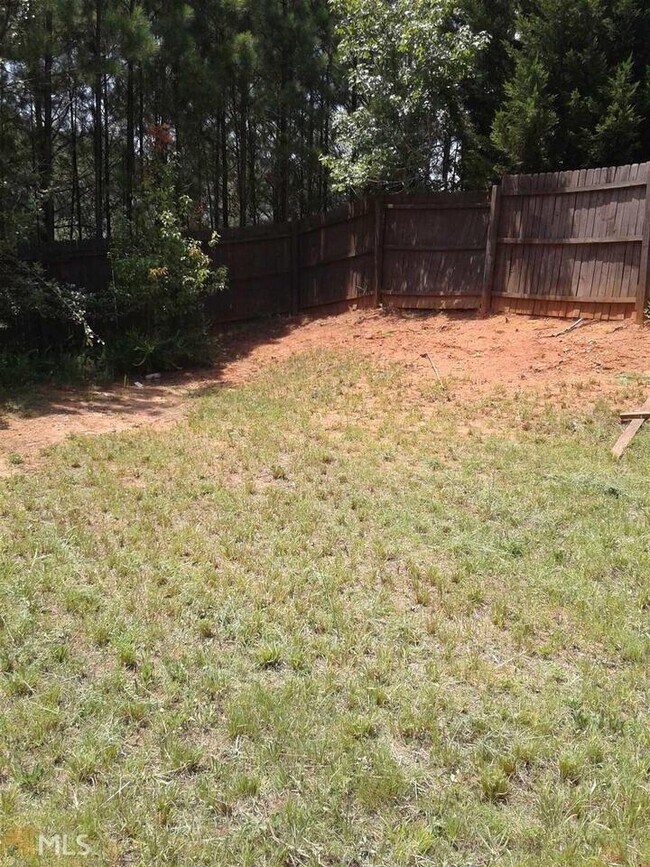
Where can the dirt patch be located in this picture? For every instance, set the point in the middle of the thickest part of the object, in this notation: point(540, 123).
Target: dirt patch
point(478, 355)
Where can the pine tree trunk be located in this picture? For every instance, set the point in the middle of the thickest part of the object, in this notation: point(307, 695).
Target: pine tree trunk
point(129, 156)
point(141, 121)
point(225, 203)
point(46, 163)
point(242, 163)
point(107, 163)
point(98, 148)
point(74, 159)
point(216, 178)
point(252, 176)
point(282, 173)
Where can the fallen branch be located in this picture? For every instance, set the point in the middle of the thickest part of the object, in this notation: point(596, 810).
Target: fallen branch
point(434, 368)
point(576, 324)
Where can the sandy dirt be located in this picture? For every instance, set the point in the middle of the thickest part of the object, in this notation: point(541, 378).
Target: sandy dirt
point(515, 353)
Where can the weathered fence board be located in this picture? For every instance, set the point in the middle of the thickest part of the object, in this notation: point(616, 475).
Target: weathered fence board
point(434, 250)
point(569, 243)
point(336, 257)
point(259, 263)
point(558, 244)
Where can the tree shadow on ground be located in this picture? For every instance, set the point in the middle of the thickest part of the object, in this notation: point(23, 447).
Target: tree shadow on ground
point(149, 399)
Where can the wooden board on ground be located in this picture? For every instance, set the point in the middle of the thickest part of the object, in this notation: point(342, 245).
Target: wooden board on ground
point(630, 432)
point(635, 413)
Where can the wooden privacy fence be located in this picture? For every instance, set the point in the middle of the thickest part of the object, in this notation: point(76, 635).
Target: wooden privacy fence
point(81, 263)
point(572, 243)
point(434, 249)
point(321, 264)
point(558, 244)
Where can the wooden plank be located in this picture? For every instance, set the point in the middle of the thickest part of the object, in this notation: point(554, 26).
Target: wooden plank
point(490, 250)
point(349, 299)
point(575, 188)
point(583, 242)
point(587, 272)
point(332, 260)
point(520, 257)
point(549, 226)
point(545, 228)
point(567, 309)
point(378, 260)
point(608, 205)
point(423, 248)
point(608, 221)
point(626, 222)
point(632, 259)
point(560, 217)
point(432, 302)
point(635, 413)
point(440, 206)
point(606, 299)
point(619, 226)
point(266, 238)
point(643, 285)
point(629, 433)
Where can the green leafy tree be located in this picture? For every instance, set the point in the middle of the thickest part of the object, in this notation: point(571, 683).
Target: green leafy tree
point(588, 60)
point(405, 64)
point(482, 93)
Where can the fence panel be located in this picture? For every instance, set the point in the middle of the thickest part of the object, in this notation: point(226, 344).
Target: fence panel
point(80, 263)
point(569, 243)
point(258, 260)
point(434, 250)
point(558, 244)
point(336, 257)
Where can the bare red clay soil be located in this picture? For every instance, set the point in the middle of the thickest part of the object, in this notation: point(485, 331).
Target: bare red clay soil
point(477, 355)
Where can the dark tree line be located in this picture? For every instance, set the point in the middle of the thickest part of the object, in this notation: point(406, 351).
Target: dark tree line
point(270, 109)
point(239, 96)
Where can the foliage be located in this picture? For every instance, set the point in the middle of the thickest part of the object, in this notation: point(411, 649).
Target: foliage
point(153, 315)
point(526, 124)
point(245, 90)
point(155, 309)
point(266, 103)
point(30, 301)
point(617, 134)
point(406, 62)
point(579, 82)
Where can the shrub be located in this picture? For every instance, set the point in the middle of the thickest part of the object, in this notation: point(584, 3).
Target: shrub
point(154, 312)
point(44, 326)
point(152, 316)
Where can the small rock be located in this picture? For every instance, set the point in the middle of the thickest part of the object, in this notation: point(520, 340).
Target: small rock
point(153, 377)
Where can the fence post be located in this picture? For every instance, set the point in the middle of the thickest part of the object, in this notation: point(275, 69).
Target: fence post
point(491, 250)
point(295, 266)
point(380, 218)
point(643, 285)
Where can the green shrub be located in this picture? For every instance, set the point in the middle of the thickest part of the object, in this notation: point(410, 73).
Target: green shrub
point(151, 317)
point(27, 296)
point(154, 312)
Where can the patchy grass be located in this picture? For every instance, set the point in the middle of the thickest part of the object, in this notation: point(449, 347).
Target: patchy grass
point(317, 625)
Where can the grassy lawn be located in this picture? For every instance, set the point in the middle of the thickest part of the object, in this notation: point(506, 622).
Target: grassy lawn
point(331, 621)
